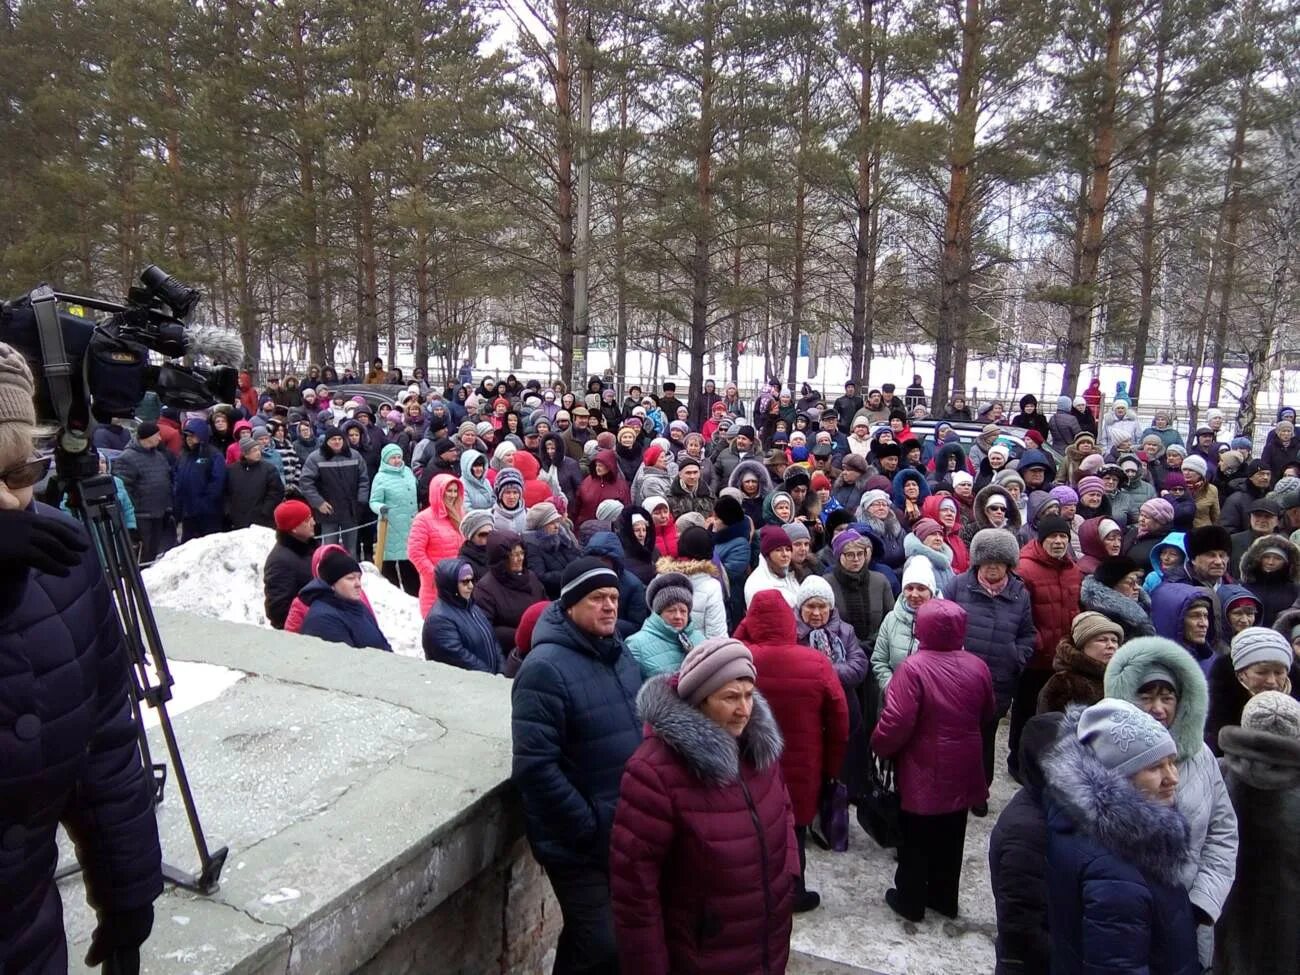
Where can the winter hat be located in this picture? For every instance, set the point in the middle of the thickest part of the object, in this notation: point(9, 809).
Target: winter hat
point(247, 445)
point(1123, 738)
point(854, 462)
point(1158, 510)
point(1157, 672)
point(542, 514)
point(728, 510)
point(609, 510)
point(820, 482)
point(1106, 526)
point(1207, 538)
point(1110, 571)
point(1091, 464)
point(695, 543)
point(685, 461)
point(582, 577)
point(654, 501)
point(1063, 494)
point(918, 571)
point(1063, 403)
point(1242, 443)
point(1088, 625)
point(688, 519)
point(335, 565)
point(771, 538)
point(1007, 477)
point(1087, 484)
point(1272, 713)
point(871, 497)
point(1197, 464)
point(17, 388)
point(747, 431)
point(1260, 645)
point(1052, 525)
point(796, 532)
point(713, 663)
point(508, 477)
point(651, 456)
point(926, 527)
point(1000, 449)
point(669, 589)
point(144, 431)
point(527, 623)
point(290, 514)
point(814, 587)
point(473, 521)
point(992, 545)
point(958, 478)
point(846, 538)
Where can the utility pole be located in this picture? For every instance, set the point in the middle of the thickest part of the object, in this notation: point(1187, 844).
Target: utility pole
point(581, 316)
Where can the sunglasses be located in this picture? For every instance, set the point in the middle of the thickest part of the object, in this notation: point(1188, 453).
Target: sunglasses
point(995, 507)
point(25, 474)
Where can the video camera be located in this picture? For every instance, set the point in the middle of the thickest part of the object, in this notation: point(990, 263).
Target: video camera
point(101, 370)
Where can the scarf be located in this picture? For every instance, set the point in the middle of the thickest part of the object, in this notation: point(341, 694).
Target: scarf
point(827, 644)
point(857, 606)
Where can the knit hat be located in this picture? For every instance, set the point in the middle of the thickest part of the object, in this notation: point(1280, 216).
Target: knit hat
point(820, 482)
point(1158, 510)
point(669, 589)
point(1123, 738)
point(958, 478)
point(17, 388)
point(542, 514)
point(1207, 538)
point(1001, 450)
point(651, 455)
point(335, 565)
point(729, 510)
point(918, 571)
point(747, 431)
point(1091, 464)
point(654, 501)
point(290, 514)
point(508, 477)
point(1259, 645)
point(1063, 494)
point(694, 543)
point(846, 538)
point(926, 527)
point(474, 521)
point(247, 445)
point(582, 577)
point(1063, 404)
point(1273, 713)
point(685, 461)
point(771, 538)
point(871, 497)
point(814, 587)
point(1110, 571)
point(796, 532)
point(1088, 625)
point(688, 519)
point(1087, 484)
point(143, 431)
point(994, 545)
point(713, 663)
point(609, 510)
point(1197, 464)
point(1052, 525)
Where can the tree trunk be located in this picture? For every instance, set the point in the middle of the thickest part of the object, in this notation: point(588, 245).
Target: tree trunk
point(800, 216)
point(1147, 262)
point(315, 311)
point(565, 203)
point(1232, 210)
point(864, 257)
point(620, 238)
point(704, 207)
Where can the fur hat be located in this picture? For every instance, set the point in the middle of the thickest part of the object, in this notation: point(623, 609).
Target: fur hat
point(669, 589)
point(1111, 570)
point(994, 545)
point(1208, 538)
point(1123, 738)
point(1258, 645)
point(1273, 713)
point(713, 663)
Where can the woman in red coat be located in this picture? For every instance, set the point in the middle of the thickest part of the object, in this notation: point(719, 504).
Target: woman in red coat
point(703, 860)
point(604, 483)
point(935, 704)
point(808, 700)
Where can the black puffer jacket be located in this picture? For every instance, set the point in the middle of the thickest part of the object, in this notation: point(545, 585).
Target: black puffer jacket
point(341, 479)
point(287, 570)
point(147, 475)
point(548, 556)
point(68, 754)
point(252, 492)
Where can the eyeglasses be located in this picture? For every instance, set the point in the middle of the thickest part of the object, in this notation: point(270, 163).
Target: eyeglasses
point(26, 474)
point(995, 507)
point(853, 556)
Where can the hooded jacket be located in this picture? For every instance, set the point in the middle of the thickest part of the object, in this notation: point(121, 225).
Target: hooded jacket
point(1277, 591)
point(1134, 615)
point(595, 488)
point(332, 618)
point(478, 492)
point(999, 629)
point(980, 519)
point(703, 858)
point(1115, 903)
point(200, 477)
point(632, 609)
point(456, 632)
point(753, 507)
point(341, 479)
point(960, 550)
point(1169, 605)
point(503, 596)
point(900, 502)
point(895, 642)
point(535, 490)
point(1053, 586)
point(573, 725)
point(805, 696)
point(434, 537)
point(708, 604)
point(566, 471)
point(658, 648)
point(1210, 868)
point(940, 561)
point(394, 488)
point(638, 557)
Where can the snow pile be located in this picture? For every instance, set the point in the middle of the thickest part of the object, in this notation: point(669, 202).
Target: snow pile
point(220, 576)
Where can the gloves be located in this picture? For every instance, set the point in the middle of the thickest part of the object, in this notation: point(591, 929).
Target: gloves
point(42, 542)
point(117, 940)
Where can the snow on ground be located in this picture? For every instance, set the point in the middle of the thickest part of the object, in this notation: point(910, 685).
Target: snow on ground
point(220, 576)
point(193, 684)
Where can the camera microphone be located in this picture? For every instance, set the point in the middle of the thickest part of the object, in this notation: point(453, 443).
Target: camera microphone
point(221, 346)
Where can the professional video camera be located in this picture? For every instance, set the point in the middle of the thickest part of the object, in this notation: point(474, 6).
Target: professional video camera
point(107, 363)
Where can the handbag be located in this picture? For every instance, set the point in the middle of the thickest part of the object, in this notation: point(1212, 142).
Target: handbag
point(878, 812)
point(831, 829)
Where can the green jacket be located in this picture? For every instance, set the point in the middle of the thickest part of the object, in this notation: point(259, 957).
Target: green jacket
point(657, 647)
point(394, 487)
point(894, 642)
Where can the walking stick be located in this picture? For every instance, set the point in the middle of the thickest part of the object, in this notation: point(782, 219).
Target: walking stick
point(381, 539)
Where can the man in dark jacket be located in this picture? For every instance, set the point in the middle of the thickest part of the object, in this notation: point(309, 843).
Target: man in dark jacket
point(573, 726)
point(146, 473)
point(741, 448)
point(1265, 516)
point(253, 488)
point(669, 402)
point(288, 565)
point(69, 752)
point(198, 489)
point(847, 406)
point(688, 492)
point(1246, 490)
point(632, 609)
point(335, 483)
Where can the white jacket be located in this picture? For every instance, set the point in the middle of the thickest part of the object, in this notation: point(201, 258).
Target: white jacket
point(763, 578)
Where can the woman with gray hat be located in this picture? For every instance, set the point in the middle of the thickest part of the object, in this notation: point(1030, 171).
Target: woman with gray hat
point(667, 635)
point(1261, 660)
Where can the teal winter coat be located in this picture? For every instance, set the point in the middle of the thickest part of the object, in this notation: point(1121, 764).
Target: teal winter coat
point(657, 647)
point(394, 488)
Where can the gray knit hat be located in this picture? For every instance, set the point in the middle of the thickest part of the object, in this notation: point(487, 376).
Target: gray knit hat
point(16, 388)
point(994, 545)
point(797, 531)
point(609, 510)
point(542, 514)
point(474, 520)
point(1274, 713)
point(667, 589)
point(1123, 738)
point(1258, 645)
point(713, 663)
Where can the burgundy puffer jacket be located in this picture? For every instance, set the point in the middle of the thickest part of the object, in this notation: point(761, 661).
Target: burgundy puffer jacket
point(805, 695)
point(703, 858)
point(1053, 586)
point(934, 706)
point(593, 490)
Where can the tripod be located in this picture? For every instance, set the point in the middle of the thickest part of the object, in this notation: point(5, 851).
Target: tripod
point(94, 497)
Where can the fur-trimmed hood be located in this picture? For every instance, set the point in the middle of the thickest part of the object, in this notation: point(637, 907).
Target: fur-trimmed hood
point(1134, 616)
point(751, 466)
point(982, 498)
point(687, 567)
point(1134, 661)
point(710, 752)
point(1108, 809)
point(1250, 570)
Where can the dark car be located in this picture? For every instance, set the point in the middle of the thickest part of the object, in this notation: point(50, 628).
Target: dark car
point(968, 433)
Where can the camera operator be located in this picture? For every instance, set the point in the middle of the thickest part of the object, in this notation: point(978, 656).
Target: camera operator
point(68, 747)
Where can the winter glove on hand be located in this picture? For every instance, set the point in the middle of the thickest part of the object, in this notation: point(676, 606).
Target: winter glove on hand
point(117, 940)
point(43, 542)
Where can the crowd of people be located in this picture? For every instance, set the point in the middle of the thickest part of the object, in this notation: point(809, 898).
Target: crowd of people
point(723, 616)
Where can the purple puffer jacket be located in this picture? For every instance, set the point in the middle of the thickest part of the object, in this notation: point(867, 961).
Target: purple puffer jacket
point(934, 706)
